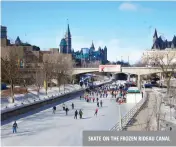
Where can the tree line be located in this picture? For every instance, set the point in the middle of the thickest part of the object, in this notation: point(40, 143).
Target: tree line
point(56, 67)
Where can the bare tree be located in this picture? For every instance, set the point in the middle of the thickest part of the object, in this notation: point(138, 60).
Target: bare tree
point(47, 67)
point(39, 80)
point(140, 64)
point(62, 68)
point(166, 60)
point(10, 65)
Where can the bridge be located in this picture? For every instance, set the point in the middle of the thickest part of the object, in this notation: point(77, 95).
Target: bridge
point(128, 70)
point(139, 71)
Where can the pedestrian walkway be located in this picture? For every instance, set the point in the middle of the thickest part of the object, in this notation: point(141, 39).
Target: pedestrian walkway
point(145, 119)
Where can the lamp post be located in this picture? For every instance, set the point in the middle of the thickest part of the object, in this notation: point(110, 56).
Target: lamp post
point(120, 119)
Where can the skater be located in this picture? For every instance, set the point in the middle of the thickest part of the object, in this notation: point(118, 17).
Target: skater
point(80, 113)
point(80, 97)
point(93, 100)
point(96, 111)
point(97, 99)
point(76, 113)
point(101, 103)
point(63, 106)
point(97, 104)
point(66, 110)
point(54, 109)
point(72, 106)
point(15, 126)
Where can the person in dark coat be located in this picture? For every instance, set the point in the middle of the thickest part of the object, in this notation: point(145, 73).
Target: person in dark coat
point(15, 126)
point(76, 113)
point(66, 110)
point(80, 97)
point(101, 103)
point(98, 104)
point(80, 113)
point(72, 106)
point(97, 99)
point(54, 109)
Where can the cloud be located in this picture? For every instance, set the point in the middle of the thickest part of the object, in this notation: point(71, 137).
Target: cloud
point(128, 6)
point(116, 48)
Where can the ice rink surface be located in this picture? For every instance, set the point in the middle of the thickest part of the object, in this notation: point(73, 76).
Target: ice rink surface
point(47, 129)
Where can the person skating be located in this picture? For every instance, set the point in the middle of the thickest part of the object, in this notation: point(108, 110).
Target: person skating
point(54, 109)
point(97, 99)
point(96, 112)
point(72, 106)
point(80, 113)
point(93, 100)
point(66, 110)
point(97, 104)
point(15, 126)
point(101, 103)
point(80, 97)
point(76, 113)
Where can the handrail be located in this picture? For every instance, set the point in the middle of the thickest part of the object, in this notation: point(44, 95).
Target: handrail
point(126, 119)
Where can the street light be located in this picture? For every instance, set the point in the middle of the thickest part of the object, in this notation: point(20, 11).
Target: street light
point(120, 119)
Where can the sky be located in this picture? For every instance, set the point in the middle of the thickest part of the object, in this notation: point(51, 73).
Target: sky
point(126, 28)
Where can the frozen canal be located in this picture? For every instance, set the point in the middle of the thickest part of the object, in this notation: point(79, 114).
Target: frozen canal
point(47, 129)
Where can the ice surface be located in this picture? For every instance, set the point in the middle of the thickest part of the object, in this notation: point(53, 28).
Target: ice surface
point(47, 129)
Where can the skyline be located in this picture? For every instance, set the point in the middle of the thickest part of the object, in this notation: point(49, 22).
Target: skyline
point(121, 26)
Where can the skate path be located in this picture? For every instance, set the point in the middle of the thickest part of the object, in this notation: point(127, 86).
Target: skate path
point(47, 129)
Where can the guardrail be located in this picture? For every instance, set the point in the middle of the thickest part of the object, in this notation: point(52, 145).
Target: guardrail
point(25, 108)
point(128, 117)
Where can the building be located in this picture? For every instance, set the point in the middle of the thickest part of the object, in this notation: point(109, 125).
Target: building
point(165, 57)
point(4, 40)
point(163, 49)
point(66, 43)
point(90, 55)
point(3, 32)
point(160, 44)
point(25, 52)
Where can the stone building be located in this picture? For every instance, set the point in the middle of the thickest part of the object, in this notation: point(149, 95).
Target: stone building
point(160, 44)
point(66, 43)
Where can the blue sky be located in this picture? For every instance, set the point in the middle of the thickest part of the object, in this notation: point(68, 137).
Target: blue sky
point(126, 28)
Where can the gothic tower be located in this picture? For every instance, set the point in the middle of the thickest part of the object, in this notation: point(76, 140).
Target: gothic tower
point(155, 36)
point(105, 54)
point(68, 40)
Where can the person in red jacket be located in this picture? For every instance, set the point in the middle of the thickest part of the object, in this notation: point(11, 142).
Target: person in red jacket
point(93, 99)
point(96, 111)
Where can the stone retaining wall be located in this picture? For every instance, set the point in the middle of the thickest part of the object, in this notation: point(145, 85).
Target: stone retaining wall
point(30, 107)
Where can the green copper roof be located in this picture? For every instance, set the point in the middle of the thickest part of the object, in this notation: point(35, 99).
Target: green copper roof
point(63, 42)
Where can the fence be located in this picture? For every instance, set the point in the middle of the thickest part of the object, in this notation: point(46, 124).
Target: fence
point(129, 116)
point(25, 108)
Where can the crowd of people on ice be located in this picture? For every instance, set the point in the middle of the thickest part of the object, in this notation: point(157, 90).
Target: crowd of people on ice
point(94, 95)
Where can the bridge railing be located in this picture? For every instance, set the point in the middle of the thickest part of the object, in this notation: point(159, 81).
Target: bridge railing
point(129, 116)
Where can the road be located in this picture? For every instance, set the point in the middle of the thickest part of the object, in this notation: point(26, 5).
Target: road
point(47, 129)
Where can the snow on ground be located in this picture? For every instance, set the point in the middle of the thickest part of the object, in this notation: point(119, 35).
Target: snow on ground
point(167, 114)
point(47, 129)
point(33, 95)
point(170, 114)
